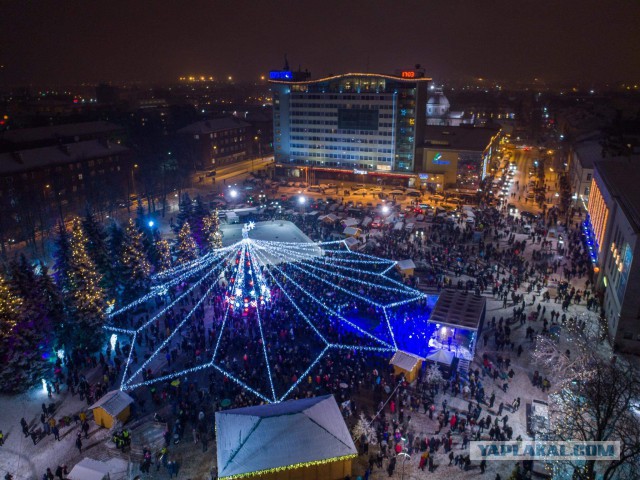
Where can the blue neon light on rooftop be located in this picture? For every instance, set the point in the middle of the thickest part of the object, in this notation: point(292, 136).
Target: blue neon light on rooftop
point(280, 75)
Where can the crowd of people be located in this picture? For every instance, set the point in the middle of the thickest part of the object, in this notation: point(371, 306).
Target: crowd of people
point(282, 336)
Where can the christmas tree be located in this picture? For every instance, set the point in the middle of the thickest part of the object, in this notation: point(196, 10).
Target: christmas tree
point(83, 296)
point(184, 213)
point(211, 230)
point(186, 249)
point(61, 254)
point(53, 303)
point(135, 266)
point(97, 248)
point(164, 255)
point(10, 308)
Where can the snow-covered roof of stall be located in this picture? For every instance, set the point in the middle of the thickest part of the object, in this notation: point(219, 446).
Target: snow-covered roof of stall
point(277, 435)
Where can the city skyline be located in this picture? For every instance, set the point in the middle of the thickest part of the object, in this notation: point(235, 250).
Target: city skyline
point(161, 41)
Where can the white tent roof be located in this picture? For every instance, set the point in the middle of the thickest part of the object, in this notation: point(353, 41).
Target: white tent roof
point(406, 264)
point(89, 469)
point(351, 231)
point(113, 402)
point(264, 437)
point(404, 360)
point(329, 218)
point(351, 242)
point(350, 222)
point(441, 356)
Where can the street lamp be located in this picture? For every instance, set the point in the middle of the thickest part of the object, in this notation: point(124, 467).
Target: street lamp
point(233, 193)
point(302, 201)
point(406, 457)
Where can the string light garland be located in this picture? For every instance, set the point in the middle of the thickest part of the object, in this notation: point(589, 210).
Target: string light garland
point(246, 273)
point(290, 467)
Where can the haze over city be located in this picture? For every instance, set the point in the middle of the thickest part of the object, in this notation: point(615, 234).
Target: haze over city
point(571, 40)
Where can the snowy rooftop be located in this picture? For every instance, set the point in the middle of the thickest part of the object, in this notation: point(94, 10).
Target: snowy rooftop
point(404, 360)
point(113, 402)
point(264, 437)
point(459, 309)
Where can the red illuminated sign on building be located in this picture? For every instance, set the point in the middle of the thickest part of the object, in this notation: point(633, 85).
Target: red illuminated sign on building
point(408, 74)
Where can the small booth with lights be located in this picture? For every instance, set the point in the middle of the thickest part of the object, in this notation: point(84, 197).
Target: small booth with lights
point(113, 406)
point(406, 268)
point(304, 439)
point(406, 364)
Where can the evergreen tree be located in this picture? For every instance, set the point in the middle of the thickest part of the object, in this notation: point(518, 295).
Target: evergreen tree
point(61, 254)
point(186, 249)
point(116, 236)
point(184, 213)
point(54, 306)
point(97, 247)
point(196, 218)
point(10, 308)
point(164, 255)
point(83, 295)
point(135, 266)
point(211, 230)
point(24, 345)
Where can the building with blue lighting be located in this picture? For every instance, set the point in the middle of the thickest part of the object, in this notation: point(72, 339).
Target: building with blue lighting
point(350, 126)
point(611, 235)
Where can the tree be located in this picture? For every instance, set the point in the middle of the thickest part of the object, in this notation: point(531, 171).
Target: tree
point(54, 305)
point(211, 231)
point(567, 359)
point(186, 249)
point(164, 255)
point(26, 348)
point(83, 295)
point(364, 431)
point(97, 247)
point(185, 212)
point(135, 266)
point(602, 408)
point(61, 254)
point(595, 398)
point(433, 375)
point(10, 308)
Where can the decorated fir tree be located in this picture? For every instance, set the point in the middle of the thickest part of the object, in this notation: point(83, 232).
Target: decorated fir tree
point(10, 308)
point(83, 295)
point(211, 229)
point(24, 345)
point(164, 255)
point(61, 254)
point(186, 249)
point(135, 266)
point(97, 246)
point(53, 304)
point(185, 211)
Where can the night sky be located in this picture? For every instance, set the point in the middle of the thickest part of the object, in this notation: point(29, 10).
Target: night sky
point(58, 42)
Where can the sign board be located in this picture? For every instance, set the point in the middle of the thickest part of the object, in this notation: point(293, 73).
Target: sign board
point(360, 172)
point(280, 75)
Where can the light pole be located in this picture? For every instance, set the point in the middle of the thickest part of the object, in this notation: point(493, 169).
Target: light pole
point(406, 457)
point(302, 201)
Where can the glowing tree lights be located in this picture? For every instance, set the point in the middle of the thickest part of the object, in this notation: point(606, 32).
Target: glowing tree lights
point(135, 266)
point(211, 230)
point(83, 296)
point(163, 256)
point(280, 307)
point(186, 249)
point(9, 308)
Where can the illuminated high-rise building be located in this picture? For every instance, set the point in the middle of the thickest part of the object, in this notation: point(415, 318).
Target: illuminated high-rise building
point(354, 124)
